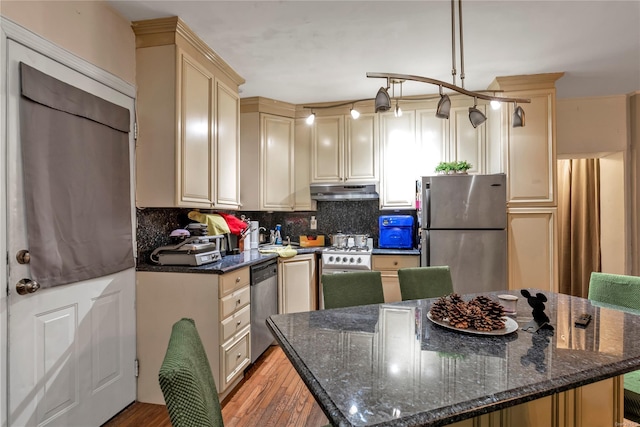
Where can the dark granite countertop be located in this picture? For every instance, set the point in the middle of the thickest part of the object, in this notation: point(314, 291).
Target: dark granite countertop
point(227, 264)
point(390, 365)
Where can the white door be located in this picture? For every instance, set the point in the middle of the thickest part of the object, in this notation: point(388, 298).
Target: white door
point(71, 348)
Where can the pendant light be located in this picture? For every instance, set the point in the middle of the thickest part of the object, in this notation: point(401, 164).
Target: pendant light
point(398, 110)
point(383, 102)
point(475, 116)
point(444, 105)
point(518, 117)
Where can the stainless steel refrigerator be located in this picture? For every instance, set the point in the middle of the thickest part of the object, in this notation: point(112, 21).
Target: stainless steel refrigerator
point(462, 220)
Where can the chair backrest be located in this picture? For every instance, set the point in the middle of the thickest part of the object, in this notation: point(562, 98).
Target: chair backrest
point(186, 381)
point(350, 289)
point(616, 289)
point(425, 282)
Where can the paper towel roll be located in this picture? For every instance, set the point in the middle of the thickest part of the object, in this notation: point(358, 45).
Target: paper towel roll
point(254, 232)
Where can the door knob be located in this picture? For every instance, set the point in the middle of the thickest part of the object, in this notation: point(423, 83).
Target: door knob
point(27, 286)
point(23, 257)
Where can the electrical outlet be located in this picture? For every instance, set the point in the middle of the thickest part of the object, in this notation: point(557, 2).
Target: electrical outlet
point(313, 224)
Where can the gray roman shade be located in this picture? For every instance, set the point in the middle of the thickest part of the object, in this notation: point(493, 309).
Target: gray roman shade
point(75, 156)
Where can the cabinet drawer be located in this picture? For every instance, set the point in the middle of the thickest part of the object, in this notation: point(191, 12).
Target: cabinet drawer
point(234, 302)
point(394, 262)
point(234, 280)
point(235, 323)
point(235, 357)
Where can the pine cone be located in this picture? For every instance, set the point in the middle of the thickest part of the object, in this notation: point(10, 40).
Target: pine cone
point(440, 308)
point(458, 315)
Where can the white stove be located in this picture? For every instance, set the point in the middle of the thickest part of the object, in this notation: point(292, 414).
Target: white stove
point(336, 260)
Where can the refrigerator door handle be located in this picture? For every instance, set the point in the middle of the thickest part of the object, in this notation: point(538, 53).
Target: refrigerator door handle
point(426, 206)
point(427, 246)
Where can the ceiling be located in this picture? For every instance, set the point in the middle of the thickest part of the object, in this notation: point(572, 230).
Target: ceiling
point(316, 51)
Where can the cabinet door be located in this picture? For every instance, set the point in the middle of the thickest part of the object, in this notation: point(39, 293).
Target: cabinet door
point(398, 164)
point(361, 147)
point(276, 145)
point(465, 142)
point(296, 284)
point(431, 141)
point(531, 164)
point(302, 197)
point(195, 133)
point(531, 246)
point(227, 167)
point(327, 149)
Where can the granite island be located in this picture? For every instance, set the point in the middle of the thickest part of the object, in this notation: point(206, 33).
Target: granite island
point(389, 365)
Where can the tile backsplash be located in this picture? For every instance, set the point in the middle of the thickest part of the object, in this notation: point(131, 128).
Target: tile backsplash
point(358, 217)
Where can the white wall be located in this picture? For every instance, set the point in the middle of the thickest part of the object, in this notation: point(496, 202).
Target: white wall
point(599, 128)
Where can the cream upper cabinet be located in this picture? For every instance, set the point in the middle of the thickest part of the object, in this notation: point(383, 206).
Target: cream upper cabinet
point(530, 151)
point(344, 149)
point(267, 156)
point(447, 140)
point(397, 161)
point(187, 150)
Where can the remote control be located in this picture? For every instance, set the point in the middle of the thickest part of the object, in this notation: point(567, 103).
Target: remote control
point(583, 320)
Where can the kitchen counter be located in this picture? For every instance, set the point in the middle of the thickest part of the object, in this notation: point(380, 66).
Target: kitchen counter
point(225, 265)
point(388, 364)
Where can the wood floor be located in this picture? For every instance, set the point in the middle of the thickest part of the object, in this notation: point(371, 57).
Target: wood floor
point(271, 394)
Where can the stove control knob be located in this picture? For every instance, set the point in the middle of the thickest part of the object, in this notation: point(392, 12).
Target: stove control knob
point(344, 259)
point(359, 260)
point(352, 260)
point(331, 259)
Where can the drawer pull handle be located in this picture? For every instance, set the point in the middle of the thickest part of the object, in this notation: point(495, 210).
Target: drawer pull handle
point(238, 323)
point(238, 302)
point(239, 356)
point(237, 279)
point(395, 262)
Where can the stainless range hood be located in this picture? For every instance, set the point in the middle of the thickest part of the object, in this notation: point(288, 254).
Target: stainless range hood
point(343, 192)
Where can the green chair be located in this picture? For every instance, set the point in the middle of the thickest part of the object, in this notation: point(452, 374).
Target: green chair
point(424, 282)
point(622, 291)
point(351, 289)
point(186, 381)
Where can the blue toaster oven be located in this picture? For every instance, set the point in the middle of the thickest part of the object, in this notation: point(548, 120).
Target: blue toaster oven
point(396, 232)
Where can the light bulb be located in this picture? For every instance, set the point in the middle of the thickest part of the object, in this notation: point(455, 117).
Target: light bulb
point(355, 113)
point(398, 111)
point(311, 118)
point(495, 104)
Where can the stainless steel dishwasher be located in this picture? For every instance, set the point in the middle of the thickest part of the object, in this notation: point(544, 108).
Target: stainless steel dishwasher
point(264, 303)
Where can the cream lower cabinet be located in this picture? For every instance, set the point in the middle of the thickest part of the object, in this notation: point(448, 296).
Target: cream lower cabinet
point(344, 149)
point(532, 243)
point(268, 162)
point(188, 145)
point(388, 266)
point(297, 288)
point(594, 405)
point(220, 307)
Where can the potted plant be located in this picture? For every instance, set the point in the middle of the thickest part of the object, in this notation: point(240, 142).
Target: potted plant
point(462, 166)
point(446, 168)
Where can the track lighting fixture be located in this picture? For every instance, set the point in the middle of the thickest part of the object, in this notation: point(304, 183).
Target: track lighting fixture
point(518, 117)
point(495, 105)
point(354, 113)
point(475, 116)
point(444, 105)
point(383, 102)
point(311, 118)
